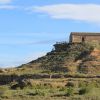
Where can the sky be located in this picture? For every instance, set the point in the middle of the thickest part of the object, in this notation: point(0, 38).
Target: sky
point(30, 28)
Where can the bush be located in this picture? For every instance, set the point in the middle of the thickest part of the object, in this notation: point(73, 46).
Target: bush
point(70, 91)
point(62, 89)
point(40, 92)
point(70, 84)
point(84, 90)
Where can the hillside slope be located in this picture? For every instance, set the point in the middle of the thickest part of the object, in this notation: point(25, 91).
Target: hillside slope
point(69, 57)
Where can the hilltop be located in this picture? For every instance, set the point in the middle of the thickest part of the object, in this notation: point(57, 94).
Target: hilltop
point(72, 58)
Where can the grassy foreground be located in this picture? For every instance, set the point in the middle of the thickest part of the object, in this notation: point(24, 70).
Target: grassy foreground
point(53, 89)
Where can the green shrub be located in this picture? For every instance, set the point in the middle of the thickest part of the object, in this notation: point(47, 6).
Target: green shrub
point(62, 89)
point(82, 84)
point(40, 92)
point(70, 91)
point(84, 90)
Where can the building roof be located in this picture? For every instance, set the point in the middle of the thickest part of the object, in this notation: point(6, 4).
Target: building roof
point(85, 33)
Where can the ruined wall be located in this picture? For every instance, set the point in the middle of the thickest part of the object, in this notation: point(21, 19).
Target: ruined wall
point(84, 38)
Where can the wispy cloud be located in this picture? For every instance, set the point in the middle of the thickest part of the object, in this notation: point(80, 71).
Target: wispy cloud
point(28, 43)
point(28, 39)
point(82, 12)
point(5, 1)
point(7, 7)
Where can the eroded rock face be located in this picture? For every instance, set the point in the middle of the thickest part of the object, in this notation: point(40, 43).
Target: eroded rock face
point(91, 63)
point(95, 53)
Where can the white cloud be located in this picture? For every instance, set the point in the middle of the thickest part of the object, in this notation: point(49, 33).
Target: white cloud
point(5, 1)
point(83, 12)
point(7, 7)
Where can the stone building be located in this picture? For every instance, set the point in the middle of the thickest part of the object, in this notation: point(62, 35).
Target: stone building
point(84, 37)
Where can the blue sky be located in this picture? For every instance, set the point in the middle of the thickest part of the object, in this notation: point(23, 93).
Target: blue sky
point(29, 28)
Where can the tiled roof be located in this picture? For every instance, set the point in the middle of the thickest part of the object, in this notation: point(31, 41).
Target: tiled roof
point(85, 33)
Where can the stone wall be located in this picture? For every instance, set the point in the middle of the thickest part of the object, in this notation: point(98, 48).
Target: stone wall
point(85, 38)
